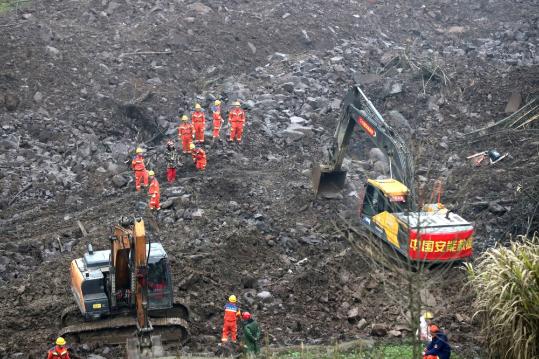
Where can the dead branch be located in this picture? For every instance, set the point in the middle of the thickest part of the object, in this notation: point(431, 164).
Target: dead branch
point(25, 188)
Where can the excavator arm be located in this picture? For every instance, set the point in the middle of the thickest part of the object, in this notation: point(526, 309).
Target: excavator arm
point(357, 109)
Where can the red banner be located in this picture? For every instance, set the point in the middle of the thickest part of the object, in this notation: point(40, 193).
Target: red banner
point(441, 246)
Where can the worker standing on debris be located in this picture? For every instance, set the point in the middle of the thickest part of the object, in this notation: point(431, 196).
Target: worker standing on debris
point(232, 312)
point(236, 121)
point(217, 119)
point(186, 133)
point(59, 351)
point(251, 333)
point(199, 123)
point(141, 175)
point(199, 157)
point(425, 322)
point(171, 158)
point(439, 347)
point(153, 192)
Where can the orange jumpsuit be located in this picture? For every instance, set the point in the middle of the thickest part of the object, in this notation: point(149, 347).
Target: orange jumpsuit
point(141, 175)
point(153, 191)
point(230, 327)
point(185, 133)
point(199, 157)
point(199, 123)
point(217, 122)
point(58, 353)
point(236, 118)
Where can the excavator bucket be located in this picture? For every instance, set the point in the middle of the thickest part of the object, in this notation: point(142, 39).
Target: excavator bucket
point(327, 180)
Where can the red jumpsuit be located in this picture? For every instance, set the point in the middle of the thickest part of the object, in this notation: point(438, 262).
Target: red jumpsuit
point(58, 353)
point(236, 118)
point(199, 123)
point(141, 175)
point(230, 327)
point(185, 133)
point(153, 191)
point(217, 122)
point(199, 157)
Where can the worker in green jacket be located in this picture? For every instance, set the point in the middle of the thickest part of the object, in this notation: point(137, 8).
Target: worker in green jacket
point(251, 333)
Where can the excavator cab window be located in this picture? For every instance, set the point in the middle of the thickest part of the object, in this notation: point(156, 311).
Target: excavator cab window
point(376, 202)
point(159, 289)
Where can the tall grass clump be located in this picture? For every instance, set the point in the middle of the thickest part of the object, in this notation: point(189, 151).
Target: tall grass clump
point(506, 284)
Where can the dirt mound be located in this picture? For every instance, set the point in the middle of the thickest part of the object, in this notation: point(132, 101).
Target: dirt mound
point(83, 83)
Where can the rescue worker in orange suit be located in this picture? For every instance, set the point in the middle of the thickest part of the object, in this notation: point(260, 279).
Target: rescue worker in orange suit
point(171, 158)
point(153, 192)
point(141, 175)
point(199, 157)
point(186, 133)
point(59, 351)
point(439, 347)
point(236, 121)
point(217, 119)
point(199, 123)
point(230, 327)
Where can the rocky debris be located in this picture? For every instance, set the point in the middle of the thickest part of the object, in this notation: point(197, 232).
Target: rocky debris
point(252, 210)
point(496, 208)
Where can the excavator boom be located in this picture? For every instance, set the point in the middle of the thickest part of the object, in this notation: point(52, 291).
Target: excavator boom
point(357, 109)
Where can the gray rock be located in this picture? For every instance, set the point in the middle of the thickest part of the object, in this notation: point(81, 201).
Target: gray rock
point(381, 167)
point(496, 208)
point(11, 102)
point(199, 8)
point(95, 356)
point(154, 81)
point(38, 96)
point(395, 333)
point(119, 181)
point(353, 315)
point(265, 296)
point(361, 324)
point(252, 47)
point(168, 203)
point(288, 86)
point(400, 121)
point(379, 330)
point(376, 154)
point(514, 103)
point(53, 51)
point(306, 37)
point(395, 88)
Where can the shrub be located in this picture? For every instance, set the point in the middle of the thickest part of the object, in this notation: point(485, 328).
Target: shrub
point(506, 284)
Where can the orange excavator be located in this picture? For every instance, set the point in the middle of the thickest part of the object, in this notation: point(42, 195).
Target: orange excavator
point(428, 233)
point(125, 294)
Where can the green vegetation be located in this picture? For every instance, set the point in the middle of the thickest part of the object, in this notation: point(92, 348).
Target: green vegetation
point(380, 351)
point(6, 5)
point(506, 283)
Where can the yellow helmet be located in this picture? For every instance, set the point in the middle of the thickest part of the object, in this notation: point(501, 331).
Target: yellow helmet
point(236, 103)
point(151, 173)
point(232, 299)
point(217, 103)
point(60, 341)
point(139, 150)
point(185, 118)
point(192, 146)
point(428, 315)
point(198, 107)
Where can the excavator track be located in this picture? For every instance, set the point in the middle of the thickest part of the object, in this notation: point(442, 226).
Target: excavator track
point(170, 324)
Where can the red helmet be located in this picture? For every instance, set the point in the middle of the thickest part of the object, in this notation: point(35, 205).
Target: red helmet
point(245, 315)
point(434, 329)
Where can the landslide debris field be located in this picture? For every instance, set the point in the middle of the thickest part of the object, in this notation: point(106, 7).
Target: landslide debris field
point(75, 98)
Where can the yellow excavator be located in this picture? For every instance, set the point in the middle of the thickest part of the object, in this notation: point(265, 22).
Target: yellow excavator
point(125, 294)
point(431, 233)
